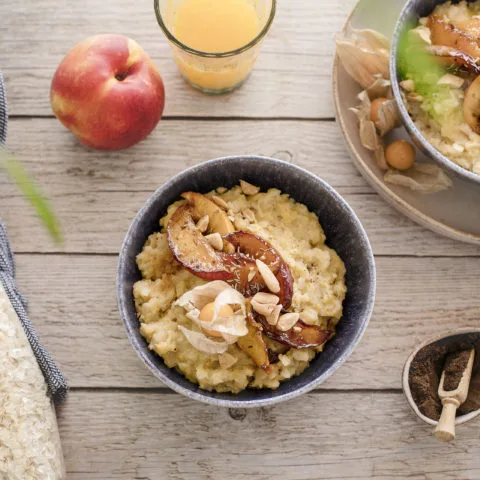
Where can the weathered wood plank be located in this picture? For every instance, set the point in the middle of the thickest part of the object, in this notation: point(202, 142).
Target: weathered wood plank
point(291, 78)
point(73, 305)
point(125, 436)
point(87, 187)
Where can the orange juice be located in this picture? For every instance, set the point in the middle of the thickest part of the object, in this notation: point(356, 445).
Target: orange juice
point(215, 27)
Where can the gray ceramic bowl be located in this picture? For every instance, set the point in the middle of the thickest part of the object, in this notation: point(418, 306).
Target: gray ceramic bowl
point(412, 11)
point(344, 233)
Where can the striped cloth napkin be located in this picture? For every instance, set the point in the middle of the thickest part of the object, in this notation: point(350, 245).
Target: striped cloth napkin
point(3, 112)
point(53, 377)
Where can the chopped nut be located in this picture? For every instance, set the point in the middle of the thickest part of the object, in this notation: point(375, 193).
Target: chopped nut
point(248, 188)
point(202, 224)
point(263, 297)
point(228, 247)
point(215, 240)
point(272, 319)
point(264, 309)
point(251, 274)
point(268, 277)
point(408, 85)
point(297, 329)
point(226, 360)
point(451, 80)
point(249, 215)
point(415, 97)
point(221, 189)
point(220, 202)
point(287, 321)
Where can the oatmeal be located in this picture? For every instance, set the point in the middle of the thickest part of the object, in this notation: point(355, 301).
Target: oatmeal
point(246, 301)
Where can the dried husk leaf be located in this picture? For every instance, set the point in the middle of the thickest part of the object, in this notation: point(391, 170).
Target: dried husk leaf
point(388, 117)
point(379, 88)
point(424, 178)
point(200, 296)
point(380, 157)
point(373, 38)
point(364, 55)
point(221, 294)
point(368, 135)
point(202, 343)
point(370, 139)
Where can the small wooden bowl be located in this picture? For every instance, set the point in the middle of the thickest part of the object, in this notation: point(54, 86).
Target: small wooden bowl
point(406, 371)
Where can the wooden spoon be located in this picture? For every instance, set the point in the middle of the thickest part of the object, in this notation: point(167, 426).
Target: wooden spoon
point(451, 400)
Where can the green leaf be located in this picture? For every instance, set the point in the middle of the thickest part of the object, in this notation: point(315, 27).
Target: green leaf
point(415, 63)
point(27, 186)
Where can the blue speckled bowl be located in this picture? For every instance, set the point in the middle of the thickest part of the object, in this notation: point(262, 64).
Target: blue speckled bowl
point(411, 13)
point(344, 233)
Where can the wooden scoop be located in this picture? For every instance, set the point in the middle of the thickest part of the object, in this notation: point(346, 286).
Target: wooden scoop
point(451, 400)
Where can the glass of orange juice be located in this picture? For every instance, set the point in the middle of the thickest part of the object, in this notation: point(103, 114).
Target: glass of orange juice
point(215, 42)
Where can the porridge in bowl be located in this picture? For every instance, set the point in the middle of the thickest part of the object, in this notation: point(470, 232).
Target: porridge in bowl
point(440, 69)
point(238, 288)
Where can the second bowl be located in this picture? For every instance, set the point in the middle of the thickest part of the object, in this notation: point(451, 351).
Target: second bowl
point(410, 15)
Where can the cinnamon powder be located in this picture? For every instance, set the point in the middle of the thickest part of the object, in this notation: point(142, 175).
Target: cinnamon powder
point(426, 369)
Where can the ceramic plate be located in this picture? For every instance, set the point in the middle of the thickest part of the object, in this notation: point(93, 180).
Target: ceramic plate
point(454, 213)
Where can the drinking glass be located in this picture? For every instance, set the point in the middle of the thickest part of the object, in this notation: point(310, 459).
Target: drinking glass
point(214, 73)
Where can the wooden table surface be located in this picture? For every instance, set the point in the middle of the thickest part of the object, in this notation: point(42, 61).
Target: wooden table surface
point(119, 421)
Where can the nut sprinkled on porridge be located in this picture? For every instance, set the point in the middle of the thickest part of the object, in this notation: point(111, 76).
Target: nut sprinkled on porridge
point(220, 202)
point(248, 188)
point(267, 275)
point(202, 224)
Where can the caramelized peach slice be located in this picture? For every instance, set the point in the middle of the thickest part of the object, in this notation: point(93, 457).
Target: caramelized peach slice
point(250, 247)
point(253, 344)
point(285, 279)
point(255, 247)
point(451, 57)
point(448, 34)
point(191, 249)
point(471, 105)
point(201, 206)
point(301, 335)
point(240, 266)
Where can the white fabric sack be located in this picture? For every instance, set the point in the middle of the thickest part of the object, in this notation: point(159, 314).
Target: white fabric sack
point(29, 440)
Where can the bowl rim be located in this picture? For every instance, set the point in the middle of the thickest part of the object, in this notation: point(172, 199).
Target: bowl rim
point(249, 403)
point(406, 371)
point(412, 129)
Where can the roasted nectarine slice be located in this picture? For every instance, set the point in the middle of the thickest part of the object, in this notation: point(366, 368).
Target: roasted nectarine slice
point(254, 247)
point(459, 36)
point(240, 266)
point(285, 279)
point(201, 206)
point(253, 344)
point(191, 249)
point(301, 335)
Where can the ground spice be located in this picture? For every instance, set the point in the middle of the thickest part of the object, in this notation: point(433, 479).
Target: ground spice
point(454, 367)
point(426, 369)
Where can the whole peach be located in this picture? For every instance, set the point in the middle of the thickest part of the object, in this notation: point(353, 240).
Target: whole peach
point(108, 92)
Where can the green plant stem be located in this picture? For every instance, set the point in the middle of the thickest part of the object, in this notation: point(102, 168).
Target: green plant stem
point(27, 186)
